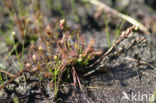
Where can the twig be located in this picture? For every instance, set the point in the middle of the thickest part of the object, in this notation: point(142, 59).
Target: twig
point(95, 87)
point(76, 77)
point(9, 74)
point(141, 62)
point(13, 78)
point(108, 9)
point(121, 38)
point(114, 55)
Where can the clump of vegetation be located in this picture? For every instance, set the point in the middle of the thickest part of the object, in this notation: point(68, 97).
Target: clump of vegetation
point(53, 56)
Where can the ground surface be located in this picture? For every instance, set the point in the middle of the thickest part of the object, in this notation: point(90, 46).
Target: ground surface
point(105, 86)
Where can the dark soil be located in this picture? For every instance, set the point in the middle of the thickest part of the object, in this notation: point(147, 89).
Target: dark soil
point(106, 85)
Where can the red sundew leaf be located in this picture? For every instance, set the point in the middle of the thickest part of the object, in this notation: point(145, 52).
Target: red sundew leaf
point(82, 41)
point(72, 53)
point(99, 52)
point(47, 74)
point(90, 46)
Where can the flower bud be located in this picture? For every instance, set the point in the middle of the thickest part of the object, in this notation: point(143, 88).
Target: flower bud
point(34, 57)
point(62, 23)
point(28, 65)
